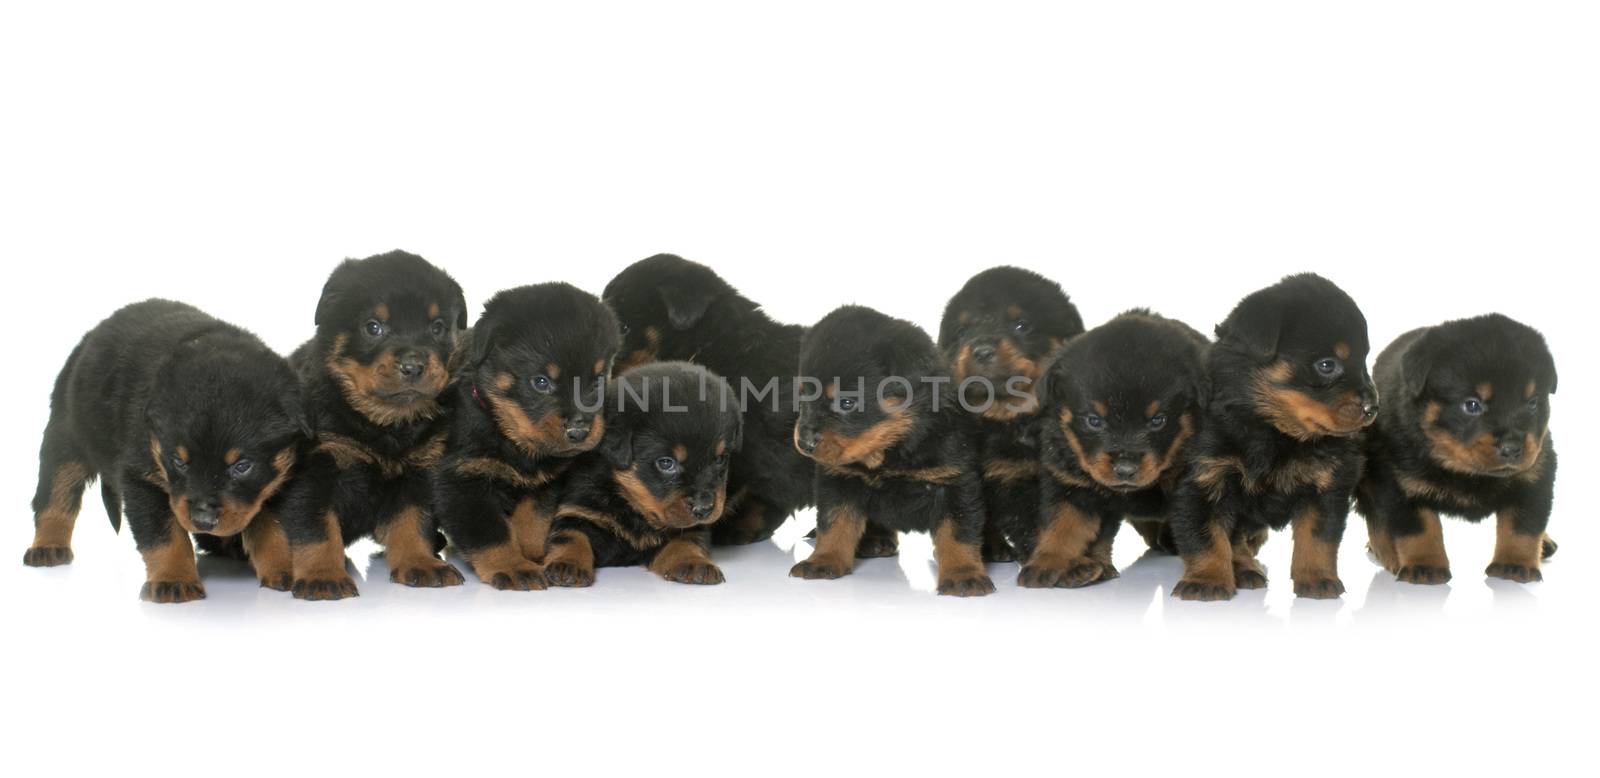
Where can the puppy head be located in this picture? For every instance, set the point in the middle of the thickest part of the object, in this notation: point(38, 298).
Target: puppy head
point(539, 359)
point(1479, 390)
point(387, 326)
point(1003, 325)
point(225, 421)
point(1120, 400)
point(673, 427)
point(663, 304)
point(1297, 351)
point(867, 392)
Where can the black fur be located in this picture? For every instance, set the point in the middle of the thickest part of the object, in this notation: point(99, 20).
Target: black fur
point(656, 484)
point(387, 329)
point(674, 309)
point(896, 452)
point(1454, 437)
point(191, 424)
point(997, 333)
point(1289, 393)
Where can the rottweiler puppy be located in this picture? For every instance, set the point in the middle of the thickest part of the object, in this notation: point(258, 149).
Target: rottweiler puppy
point(997, 332)
point(658, 481)
point(530, 399)
point(895, 450)
point(191, 424)
point(1279, 444)
point(1464, 430)
point(674, 309)
point(1120, 403)
point(387, 328)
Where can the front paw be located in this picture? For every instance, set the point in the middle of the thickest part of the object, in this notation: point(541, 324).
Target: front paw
point(1071, 575)
point(278, 582)
point(697, 572)
point(1426, 575)
point(1249, 578)
point(1203, 591)
point(815, 569)
point(429, 576)
point(1511, 572)
point(973, 584)
point(171, 591)
point(1319, 588)
point(563, 573)
point(324, 587)
point(521, 579)
point(47, 556)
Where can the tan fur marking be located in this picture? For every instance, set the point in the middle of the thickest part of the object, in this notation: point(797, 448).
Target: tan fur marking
point(553, 370)
point(639, 541)
point(172, 561)
point(235, 515)
point(52, 527)
point(433, 310)
point(268, 548)
point(323, 560)
point(1341, 350)
point(677, 552)
point(1485, 391)
point(1214, 566)
point(836, 545)
point(1512, 547)
point(1009, 471)
point(1312, 558)
point(868, 448)
point(1065, 538)
point(1423, 549)
point(953, 559)
point(364, 386)
point(574, 550)
point(403, 543)
point(1480, 456)
point(381, 312)
point(530, 528)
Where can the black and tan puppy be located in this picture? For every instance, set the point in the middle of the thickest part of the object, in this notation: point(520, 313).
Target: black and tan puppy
point(895, 451)
point(1464, 430)
point(387, 327)
point(674, 309)
point(1119, 405)
point(191, 424)
point(529, 400)
point(658, 481)
point(1278, 446)
point(997, 333)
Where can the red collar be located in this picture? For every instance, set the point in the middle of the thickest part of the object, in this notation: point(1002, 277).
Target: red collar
point(479, 398)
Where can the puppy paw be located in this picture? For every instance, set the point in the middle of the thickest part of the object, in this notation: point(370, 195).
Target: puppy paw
point(171, 591)
point(694, 573)
point(877, 547)
point(1510, 572)
point(1319, 588)
point(1071, 575)
point(974, 584)
point(1427, 575)
point(47, 556)
point(279, 582)
point(324, 588)
point(1249, 578)
point(1203, 591)
point(562, 573)
point(428, 576)
point(819, 569)
point(522, 579)
point(1547, 548)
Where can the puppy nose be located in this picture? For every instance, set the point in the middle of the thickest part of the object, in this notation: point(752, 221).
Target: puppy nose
point(203, 513)
point(983, 353)
point(411, 365)
point(578, 432)
point(807, 440)
point(702, 503)
point(1125, 468)
point(1510, 452)
point(1369, 409)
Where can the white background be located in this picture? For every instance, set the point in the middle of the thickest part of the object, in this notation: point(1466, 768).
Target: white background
point(1435, 159)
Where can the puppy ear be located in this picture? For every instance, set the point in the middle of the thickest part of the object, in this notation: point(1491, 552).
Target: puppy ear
point(293, 405)
point(685, 305)
point(617, 445)
point(461, 305)
point(1255, 326)
point(1416, 364)
point(478, 339)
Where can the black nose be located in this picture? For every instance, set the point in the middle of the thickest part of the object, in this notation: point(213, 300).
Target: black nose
point(411, 366)
point(1125, 468)
point(577, 434)
point(203, 513)
point(807, 440)
point(1511, 452)
point(702, 503)
point(1369, 408)
point(983, 353)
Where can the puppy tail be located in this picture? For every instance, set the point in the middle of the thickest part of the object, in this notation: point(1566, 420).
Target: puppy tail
point(113, 503)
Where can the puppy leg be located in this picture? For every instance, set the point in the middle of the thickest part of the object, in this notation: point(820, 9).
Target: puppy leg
point(1518, 548)
point(1062, 557)
point(169, 568)
point(55, 506)
point(878, 542)
point(1207, 571)
point(839, 530)
point(268, 548)
point(407, 540)
point(686, 559)
point(1418, 549)
point(1247, 570)
point(995, 547)
point(569, 560)
point(505, 564)
point(319, 566)
point(530, 525)
point(958, 553)
point(1314, 561)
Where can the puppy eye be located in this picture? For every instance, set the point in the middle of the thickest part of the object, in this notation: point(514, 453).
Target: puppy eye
point(846, 404)
point(667, 465)
point(1533, 405)
point(179, 465)
point(1094, 422)
point(625, 329)
point(374, 328)
point(1158, 421)
point(1472, 407)
point(438, 328)
point(542, 384)
point(722, 459)
point(241, 468)
point(1022, 326)
point(1327, 367)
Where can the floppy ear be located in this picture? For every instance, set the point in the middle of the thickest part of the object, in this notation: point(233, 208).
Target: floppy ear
point(1416, 364)
point(1255, 325)
point(617, 445)
point(686, 305)
point(478, 339)
point(293, 405)
point(461, 305)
